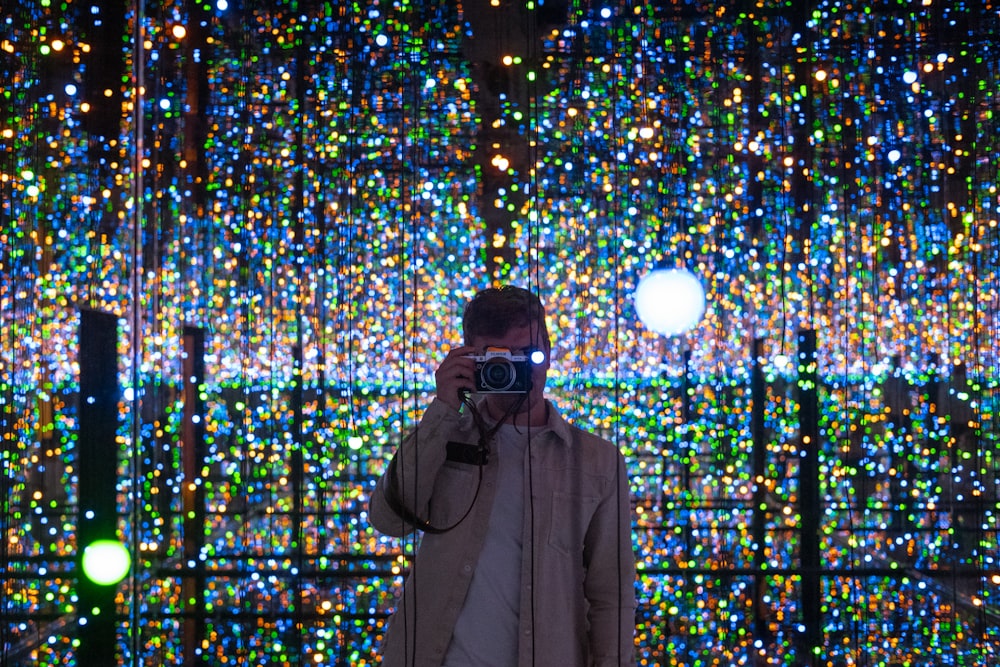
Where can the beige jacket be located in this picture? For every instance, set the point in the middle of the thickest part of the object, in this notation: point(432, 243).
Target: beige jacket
point(578, 572)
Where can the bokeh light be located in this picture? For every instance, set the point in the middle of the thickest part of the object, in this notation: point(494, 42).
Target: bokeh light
point(106, 562)
point(317, 187)
point(670, 301)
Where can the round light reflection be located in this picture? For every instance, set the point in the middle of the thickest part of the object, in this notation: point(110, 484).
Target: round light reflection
point(106, 562)
point(670, 301)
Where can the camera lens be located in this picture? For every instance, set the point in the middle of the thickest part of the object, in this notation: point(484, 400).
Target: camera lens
point(498, 374)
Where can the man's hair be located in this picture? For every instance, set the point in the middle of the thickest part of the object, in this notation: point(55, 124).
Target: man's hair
point(495, 310)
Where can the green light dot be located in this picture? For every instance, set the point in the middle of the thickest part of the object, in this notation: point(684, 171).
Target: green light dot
point(106, 562)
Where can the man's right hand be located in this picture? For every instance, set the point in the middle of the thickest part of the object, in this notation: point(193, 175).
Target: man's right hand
point(456, 376)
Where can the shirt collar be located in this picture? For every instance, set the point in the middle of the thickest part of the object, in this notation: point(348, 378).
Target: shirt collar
point(556, 424)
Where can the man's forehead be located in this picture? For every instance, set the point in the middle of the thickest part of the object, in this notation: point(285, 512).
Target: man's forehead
point(515, 337)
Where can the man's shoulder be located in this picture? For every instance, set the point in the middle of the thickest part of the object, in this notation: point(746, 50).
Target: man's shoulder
point(575, 434)
point(589, 437)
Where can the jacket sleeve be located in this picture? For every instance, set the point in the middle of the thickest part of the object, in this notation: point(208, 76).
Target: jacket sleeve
point(404, 489)
point(609, 583)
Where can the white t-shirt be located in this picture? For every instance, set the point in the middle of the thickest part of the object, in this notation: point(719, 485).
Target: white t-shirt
point(486, 632)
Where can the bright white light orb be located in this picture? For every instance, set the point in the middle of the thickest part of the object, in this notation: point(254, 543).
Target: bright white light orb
point(670, 301)
point(106, 562)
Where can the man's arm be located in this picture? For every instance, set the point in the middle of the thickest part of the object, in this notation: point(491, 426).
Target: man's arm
point(403, 493)
point(404, 489)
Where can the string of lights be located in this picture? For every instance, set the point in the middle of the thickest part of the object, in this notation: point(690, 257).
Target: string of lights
point(316, 186)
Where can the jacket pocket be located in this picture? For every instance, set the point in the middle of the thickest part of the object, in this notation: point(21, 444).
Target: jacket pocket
point(454, 491)
point(571, 514)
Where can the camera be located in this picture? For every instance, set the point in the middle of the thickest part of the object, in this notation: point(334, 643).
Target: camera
point(500, 372)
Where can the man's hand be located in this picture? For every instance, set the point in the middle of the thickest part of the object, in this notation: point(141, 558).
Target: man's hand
point(455, 376)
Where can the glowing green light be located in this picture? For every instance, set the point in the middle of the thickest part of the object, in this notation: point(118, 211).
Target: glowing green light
point(106, 562)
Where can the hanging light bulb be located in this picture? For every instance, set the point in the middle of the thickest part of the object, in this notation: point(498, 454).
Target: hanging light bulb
point(670, 301)
point(106, 562)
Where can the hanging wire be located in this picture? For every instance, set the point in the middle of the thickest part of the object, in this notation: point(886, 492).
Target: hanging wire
point(408, 225)
point(534, 60)
point(138, 222)
point(617, 266)
point(243, 102)
point(781, 202)
point(625, 52)
point(16, 317)
point(984, 252)
point(855, 591)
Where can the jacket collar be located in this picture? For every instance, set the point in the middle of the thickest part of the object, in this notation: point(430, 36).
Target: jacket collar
point(557, 424)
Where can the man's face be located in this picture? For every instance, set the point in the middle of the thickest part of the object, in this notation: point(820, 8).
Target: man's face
point(521, 340)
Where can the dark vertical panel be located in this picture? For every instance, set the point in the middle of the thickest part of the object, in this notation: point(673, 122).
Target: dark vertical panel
point(97, 470)
point(192, 445)
point(297, 475)
point(196, 100)
point(104, 26)
point(758, 392)
point(809, 491)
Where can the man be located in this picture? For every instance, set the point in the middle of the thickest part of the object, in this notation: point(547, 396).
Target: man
point(526, 556)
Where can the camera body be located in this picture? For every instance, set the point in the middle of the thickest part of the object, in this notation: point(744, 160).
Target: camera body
point(500, 372)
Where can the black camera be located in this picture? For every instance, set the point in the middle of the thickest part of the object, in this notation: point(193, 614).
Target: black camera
point(500, 372)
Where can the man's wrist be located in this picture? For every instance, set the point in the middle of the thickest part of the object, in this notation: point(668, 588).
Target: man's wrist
point(441, 409)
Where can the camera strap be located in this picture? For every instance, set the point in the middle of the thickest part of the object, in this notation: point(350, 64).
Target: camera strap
point(462, 452)
point(409, 516)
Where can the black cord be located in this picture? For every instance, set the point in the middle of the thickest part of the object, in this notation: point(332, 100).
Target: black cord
point(391, 489)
